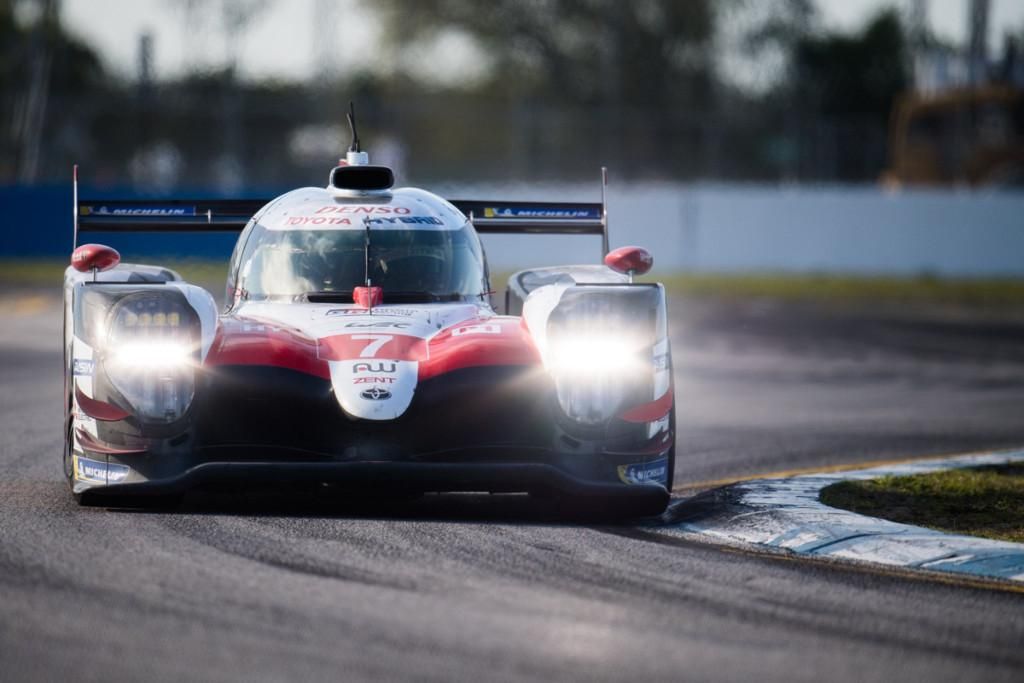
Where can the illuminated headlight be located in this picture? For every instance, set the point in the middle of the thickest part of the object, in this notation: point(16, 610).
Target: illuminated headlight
point(155, 357)
point(601, 347)
point(594, 356)
point(151, 353)
point(594, 372)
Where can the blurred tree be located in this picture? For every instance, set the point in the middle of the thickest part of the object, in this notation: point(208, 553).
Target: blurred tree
point(782, 24)
point(856, 74)
point(75, 66)
point(41, 68)
point(846, 85)
point(647, 52)
point(832, 107)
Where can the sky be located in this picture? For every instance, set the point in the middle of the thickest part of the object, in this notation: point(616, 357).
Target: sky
point(287, 39)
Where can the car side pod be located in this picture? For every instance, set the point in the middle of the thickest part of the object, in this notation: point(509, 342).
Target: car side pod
point(95, 258)
point(629, 261)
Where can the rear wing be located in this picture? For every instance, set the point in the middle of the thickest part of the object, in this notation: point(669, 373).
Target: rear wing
point(166, 215)
point(536, 218)
point(232, 215)
point(540, 218)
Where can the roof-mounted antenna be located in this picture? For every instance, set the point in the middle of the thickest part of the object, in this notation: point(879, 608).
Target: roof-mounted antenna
point(354, 147)
point(355, 156)
point(366, 251)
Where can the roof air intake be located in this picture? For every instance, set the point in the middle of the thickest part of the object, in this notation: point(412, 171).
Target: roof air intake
point(362, 178)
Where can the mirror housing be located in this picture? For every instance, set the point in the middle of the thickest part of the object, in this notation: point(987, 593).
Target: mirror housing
point(96, 257)
point(629, 260)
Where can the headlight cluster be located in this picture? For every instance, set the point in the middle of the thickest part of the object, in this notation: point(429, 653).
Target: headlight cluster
point(150, 354)
point(600, 349)
point(593, 372)
point(595, 355)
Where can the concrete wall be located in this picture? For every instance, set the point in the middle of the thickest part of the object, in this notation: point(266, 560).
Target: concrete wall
point(852, 230)
point(694, 227)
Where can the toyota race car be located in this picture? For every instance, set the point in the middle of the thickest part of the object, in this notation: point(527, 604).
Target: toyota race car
point(358, 348)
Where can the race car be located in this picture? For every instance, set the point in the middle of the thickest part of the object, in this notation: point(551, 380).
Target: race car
point(358, 349)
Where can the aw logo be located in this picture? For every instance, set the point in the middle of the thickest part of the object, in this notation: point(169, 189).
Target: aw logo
point(388, 368)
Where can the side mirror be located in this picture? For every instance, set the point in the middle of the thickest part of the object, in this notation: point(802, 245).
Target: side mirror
point(629, 260)
point(94, 257)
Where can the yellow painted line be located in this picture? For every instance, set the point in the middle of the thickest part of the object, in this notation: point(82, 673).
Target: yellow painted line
point(822, 469)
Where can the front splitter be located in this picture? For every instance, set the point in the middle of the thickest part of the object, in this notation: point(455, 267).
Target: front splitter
point(405, 477)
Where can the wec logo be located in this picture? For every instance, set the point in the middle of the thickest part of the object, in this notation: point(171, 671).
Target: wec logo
point(392, 325)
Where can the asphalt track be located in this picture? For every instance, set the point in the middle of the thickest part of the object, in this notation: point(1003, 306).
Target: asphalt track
point(470, 588)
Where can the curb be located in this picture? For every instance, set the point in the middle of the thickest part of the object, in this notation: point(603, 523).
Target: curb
point(785, 514)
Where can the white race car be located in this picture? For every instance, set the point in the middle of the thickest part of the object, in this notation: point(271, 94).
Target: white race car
point(358, 347)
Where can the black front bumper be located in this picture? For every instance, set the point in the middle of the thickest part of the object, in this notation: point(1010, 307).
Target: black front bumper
point(403, 477)
point(477, 430)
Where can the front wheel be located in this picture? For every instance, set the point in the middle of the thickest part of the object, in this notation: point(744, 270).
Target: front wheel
point(670, 476)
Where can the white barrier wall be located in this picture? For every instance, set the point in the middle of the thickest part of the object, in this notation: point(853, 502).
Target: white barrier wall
point(861, 230)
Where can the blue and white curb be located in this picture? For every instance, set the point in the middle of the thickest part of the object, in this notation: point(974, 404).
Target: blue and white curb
point(785, 514)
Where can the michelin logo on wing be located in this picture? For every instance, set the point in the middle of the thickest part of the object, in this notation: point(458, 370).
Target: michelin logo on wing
point(144, 211)
point(538, 212)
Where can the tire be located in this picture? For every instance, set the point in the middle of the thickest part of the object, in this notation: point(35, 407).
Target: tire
point(66, 459)
point(670, 478)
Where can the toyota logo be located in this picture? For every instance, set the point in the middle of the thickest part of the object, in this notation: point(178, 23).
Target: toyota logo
point(376, 394)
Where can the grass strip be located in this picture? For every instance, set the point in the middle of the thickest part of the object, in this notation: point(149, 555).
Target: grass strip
point(923, 289)
point(981, 501)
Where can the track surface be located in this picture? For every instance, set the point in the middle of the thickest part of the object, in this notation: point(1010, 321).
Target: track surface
point(473, 588)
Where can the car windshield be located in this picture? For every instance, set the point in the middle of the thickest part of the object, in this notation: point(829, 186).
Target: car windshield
point(425, 264)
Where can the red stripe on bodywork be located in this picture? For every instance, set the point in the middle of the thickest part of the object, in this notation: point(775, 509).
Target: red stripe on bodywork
point(381, 344)
point(472, 343)
point(649, 412)
point(476, 343)
point(245, 342)
point(98, 410)
point(90, 444)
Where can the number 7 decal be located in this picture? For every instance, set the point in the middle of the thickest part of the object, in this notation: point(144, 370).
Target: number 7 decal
point(377, 341)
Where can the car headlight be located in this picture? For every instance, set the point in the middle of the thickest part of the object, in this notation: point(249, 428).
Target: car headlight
point(595, 356)
point(600, 347)
point(593, 371)
point(155, 357)
point(151, 353)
